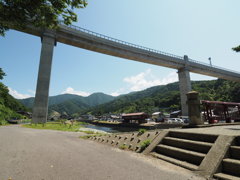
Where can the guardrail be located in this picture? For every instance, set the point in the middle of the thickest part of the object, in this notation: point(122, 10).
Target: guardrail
point(213, 66)
point(121, 42)
point(142, 47)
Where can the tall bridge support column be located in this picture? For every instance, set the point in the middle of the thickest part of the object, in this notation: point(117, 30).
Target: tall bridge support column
point(40, 109)
point(184, 86)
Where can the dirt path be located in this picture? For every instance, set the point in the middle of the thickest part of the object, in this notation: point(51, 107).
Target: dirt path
point(30, 154)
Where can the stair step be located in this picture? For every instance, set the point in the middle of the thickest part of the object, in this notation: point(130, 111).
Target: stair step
point(193, 136)
point(191, 145)
point(225, 176)
point(231, 166)
point(180, 154)
point(175, 161)
point(235, 152)
point(237, 140)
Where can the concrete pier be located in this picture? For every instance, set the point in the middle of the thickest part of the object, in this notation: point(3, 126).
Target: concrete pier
point(40, 109)
point(194, 108)
point(184, 86)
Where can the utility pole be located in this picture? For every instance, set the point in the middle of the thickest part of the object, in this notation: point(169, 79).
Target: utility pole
point(210, 61)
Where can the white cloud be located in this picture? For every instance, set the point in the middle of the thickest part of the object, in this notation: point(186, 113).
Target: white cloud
point(18, 95)
point(118, 92)
point(115, 94)
point(70, 90)
point(146, 79)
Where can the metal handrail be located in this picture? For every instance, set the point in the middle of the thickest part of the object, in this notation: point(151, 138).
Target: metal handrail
point(212, 66)
point(121, 42)
point(142, 47)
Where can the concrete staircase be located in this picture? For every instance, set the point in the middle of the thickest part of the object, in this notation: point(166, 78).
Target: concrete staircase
point(184, 149)
point(230, 166)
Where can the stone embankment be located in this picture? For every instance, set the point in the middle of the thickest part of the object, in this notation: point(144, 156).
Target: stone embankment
point(135, 141)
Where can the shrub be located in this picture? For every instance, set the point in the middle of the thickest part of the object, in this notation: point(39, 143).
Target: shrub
point(141, 131)
point(145, 144)
point(86, 137)
point(3, 122)
point(123, 147)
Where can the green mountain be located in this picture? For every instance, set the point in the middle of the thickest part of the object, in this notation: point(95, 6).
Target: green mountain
point(158, 98)
point(52, 100)
point(69, 106)
point(167, 97)
point(70, 103)
point(8, 105)
point(97, 99)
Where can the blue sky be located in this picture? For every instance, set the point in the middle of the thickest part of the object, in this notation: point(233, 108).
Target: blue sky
point(199, 29)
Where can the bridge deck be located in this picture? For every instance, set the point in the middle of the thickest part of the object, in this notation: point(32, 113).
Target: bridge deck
point(82, 38)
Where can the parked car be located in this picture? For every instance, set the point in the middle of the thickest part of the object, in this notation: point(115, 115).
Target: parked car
point(176, 120)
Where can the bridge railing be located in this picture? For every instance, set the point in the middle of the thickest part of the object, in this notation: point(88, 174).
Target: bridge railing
point(142, 47)
point(122, 42)
point(212, 66)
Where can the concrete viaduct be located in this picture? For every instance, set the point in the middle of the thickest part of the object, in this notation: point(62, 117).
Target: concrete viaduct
point(82, 38)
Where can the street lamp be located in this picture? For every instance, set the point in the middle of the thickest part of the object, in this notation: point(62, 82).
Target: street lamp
point(210, 61)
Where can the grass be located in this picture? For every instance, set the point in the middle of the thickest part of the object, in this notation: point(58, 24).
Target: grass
point(3, 122)
point(141, 131)
point(92, 135)
point(55, 126)
point(123, 147)
point(86, 137)
point(22, 121)
point(145, 144)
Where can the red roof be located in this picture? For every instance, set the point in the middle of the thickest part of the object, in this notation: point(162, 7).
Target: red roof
point(220, 102)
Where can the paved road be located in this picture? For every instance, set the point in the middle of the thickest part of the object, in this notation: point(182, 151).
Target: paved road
point(29, 154)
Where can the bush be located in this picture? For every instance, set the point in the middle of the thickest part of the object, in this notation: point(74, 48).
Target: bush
point(3, 122)
point(86, 137)
point(145, 144)
point(7, 114)
point(123, 147)
point(141, 131)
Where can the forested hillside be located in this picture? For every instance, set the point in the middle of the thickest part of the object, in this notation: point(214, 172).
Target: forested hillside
point(8, 105)
point(158, 98)
point(70, 104)
point(167, 98)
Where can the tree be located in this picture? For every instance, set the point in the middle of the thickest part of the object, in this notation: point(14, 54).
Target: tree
point(39, 13)
point(237, 49)
point(2, 74)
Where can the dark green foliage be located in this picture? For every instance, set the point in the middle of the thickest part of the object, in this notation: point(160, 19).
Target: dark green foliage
point(159, 98)
point(145, 144)
point(167, 98)
point(141, 131)
point(97, 98)
point(70, 106)
point(8, 105)
point(70, 103)
point(237, 49)
point(2, 74)
point(40, 13)
point(148, 100)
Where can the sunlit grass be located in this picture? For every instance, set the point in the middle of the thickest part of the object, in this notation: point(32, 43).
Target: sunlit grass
point(56, 126)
